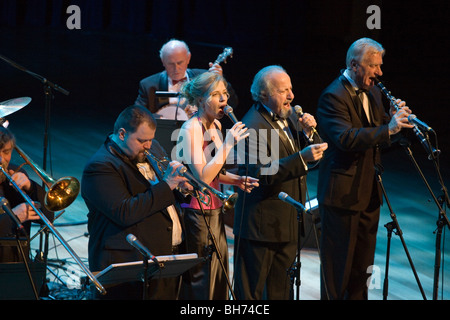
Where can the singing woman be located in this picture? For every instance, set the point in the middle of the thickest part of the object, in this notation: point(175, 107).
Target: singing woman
point(204, 151)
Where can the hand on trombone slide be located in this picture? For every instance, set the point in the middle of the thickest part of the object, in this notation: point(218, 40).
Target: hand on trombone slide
point(20, 179)
point(25, 212)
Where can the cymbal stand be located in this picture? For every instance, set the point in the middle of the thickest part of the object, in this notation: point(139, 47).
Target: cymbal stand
point(394, 225)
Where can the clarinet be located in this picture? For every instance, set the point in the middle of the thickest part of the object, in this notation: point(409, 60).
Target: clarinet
point(386, 93)
point(433, 153)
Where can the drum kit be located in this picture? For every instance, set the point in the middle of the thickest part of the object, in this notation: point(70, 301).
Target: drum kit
point(10, 106)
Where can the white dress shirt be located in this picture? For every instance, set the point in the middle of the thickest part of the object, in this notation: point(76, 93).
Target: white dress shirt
point(149, 174)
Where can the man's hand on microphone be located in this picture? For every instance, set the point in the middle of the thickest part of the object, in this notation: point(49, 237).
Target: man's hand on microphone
point(308, 123)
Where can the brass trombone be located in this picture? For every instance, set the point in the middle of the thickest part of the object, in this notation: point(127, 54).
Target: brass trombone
point(61, 193)
point(228, 201)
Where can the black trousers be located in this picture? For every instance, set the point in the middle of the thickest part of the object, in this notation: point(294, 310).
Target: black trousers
point(262, 269)
point(348, 242)
point(207, 280)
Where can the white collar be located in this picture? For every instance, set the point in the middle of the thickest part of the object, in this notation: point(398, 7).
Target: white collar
point(352, 82)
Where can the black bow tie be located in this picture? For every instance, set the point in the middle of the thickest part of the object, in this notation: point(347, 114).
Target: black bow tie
point(174, 82)
point(275, 117)
point(359, 91)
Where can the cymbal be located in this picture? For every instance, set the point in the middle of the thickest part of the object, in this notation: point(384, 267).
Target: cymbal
point(10, 106)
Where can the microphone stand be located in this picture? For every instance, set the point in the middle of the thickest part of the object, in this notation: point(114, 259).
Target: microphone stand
point(145, 290)
point(27, 266)
point(294, 270)
point(301, 225)
point(442, 217)
point(394, 225)
point(48, 86)
point(215, 247)
point(22, 253)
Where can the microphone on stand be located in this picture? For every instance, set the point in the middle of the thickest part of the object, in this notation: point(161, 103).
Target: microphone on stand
point(412, 118)
point(432, 152)
point(283, 196)
point(131, 238)
point(299, 112)
point(5, 207)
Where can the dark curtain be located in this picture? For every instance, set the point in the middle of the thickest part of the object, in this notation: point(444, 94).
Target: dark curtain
point(308, 38)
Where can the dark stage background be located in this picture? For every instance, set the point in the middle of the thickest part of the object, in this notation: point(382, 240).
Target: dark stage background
point(118, 43)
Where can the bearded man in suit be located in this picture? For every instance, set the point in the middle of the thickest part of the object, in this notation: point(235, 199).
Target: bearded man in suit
point(128, 193)
point(266, 228)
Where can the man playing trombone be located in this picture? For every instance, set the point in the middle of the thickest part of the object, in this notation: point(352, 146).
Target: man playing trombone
point(127, 193)
point(9, 226)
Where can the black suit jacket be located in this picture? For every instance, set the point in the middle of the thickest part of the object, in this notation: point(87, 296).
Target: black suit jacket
point(280, 168)
point(159, 82)
point(347, 171)
point(121, 201)
point(8, 228)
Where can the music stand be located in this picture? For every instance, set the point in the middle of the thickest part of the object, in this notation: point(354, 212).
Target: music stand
point(169, 266)
point(15, 283)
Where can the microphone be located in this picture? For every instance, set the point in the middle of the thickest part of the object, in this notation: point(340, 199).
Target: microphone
point(131, 238)
point(432, 152)
point(412, 118)
point(5, 206)
point(283, 196)
point(299, 112)
point(229, 112)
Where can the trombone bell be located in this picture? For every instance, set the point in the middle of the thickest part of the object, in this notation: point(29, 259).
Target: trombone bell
point(62, 193)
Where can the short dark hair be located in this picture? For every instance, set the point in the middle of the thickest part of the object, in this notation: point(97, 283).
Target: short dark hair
point(132, 117)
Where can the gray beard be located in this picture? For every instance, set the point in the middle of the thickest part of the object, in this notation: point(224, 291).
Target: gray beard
point(286, 113)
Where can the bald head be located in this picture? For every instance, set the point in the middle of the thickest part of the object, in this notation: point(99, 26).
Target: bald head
point(175, 57)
